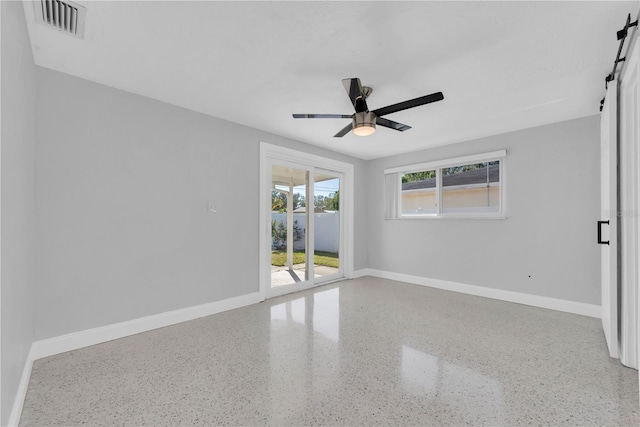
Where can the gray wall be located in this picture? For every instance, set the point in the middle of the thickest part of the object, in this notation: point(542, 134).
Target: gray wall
point(553, 193)
point(123, 183)
point(18, 200)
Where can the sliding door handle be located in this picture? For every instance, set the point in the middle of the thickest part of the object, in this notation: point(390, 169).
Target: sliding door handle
point(600, 242)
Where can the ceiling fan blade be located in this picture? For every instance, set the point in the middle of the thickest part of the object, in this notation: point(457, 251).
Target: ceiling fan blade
point(321, 116)
point(381, 121)
point(345, 130)
point(409, 104)
point(356, 94)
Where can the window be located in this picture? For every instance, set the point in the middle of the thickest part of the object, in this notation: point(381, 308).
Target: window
point(471, 188)
point(419, 195)
point(463, 187)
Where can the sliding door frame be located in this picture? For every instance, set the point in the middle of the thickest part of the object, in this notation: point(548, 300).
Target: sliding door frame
point(270, 153)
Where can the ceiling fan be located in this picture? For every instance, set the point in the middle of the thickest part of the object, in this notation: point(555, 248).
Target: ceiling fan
point(363, 121)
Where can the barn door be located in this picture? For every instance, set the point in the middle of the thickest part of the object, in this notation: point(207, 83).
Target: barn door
point(629, 187)
point(608, 224)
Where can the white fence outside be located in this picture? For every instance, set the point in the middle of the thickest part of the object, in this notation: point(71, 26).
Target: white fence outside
point(327, 229)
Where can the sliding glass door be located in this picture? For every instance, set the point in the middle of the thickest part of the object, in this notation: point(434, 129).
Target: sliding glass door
point(289, 224)
point(306, 226)
point(327, 227)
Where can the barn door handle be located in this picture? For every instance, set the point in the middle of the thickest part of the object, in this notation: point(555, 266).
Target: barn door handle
point(600, 242)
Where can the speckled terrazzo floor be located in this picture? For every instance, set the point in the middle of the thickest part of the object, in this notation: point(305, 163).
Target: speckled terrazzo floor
point(361, 352)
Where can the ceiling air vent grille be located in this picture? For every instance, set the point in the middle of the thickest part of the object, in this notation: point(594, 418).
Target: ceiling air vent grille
point(64, 16)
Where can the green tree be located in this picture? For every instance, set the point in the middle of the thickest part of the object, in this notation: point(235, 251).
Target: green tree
point(418, 176)
point(464, 168)
point(423, 175)
point(278, 201)
point(334, 201)
point(298, 201)
point(278, 234)
point(328, 203)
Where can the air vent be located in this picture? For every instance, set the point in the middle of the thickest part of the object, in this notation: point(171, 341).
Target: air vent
point(64, 16)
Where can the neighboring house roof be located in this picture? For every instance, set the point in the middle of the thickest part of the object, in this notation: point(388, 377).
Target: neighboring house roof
point(476, 176)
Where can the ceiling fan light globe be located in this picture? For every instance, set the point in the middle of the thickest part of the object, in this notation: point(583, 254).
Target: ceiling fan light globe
point(364, 124)
point(364, 130)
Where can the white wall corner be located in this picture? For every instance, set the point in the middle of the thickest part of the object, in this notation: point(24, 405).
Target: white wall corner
point(361, 273)
point(566, 306)
point(77, 340)
point(21, 394)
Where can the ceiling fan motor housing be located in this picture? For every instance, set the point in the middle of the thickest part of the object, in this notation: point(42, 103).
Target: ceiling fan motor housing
point(364, 123)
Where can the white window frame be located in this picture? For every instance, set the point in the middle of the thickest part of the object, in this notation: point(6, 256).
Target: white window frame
point(438, 165)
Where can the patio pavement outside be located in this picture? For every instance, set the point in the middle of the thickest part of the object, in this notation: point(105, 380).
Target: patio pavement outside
point(281, 276)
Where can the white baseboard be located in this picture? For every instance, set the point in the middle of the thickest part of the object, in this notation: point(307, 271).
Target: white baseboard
point(76, 340)
point(16, 410)
point(362, 272)
point(573, 307)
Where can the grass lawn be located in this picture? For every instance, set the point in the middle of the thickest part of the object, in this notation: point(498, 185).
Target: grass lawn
point(330, 259)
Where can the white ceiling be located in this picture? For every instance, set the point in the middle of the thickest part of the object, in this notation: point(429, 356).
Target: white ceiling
point(502, 66)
